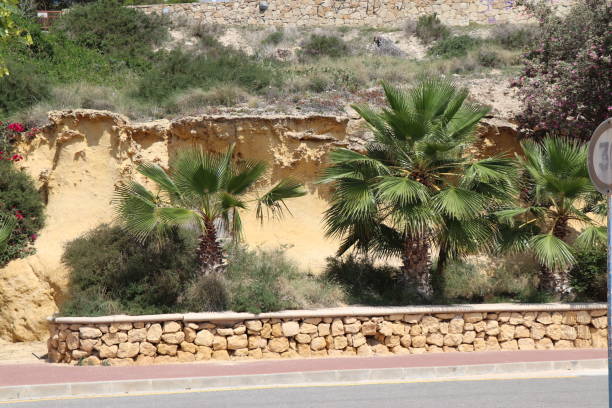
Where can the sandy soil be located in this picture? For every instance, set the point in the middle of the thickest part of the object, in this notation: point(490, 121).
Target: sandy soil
point(24, 352)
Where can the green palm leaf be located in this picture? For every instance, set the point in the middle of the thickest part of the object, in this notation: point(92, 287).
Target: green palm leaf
point(274, 200)
point(551, 251)
point(592, 236)
point(7, 225)
point(459, 203)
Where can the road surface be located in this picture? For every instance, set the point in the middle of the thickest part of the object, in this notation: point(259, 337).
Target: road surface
point(552, 392)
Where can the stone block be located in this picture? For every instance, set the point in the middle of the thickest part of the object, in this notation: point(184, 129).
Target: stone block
point(337, 327)
point(278, 345)
point(89, 332)
point(147, 349)
point(128, 350)
point(137, 335)
point(171, 327)
point(167, 349)
point(237, 342)
point(154, 333)
point(219, 343)
point(204, 338)
point(290, 329)
point(173, 338)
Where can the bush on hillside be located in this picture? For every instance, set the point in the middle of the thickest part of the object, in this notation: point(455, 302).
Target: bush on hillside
point(324, 46)
point(113, 273)
point(267, 280)
point(274, 38)
point(454, 46)
point(18, 200)
point(107, 26)
point(367, 283)
point(588, 276)
point(514, 37)
point(22, 88)
point(176, 71)
point(429, 28)
point(565, 83)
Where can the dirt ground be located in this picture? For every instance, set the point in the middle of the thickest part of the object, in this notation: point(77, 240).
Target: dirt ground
point(23, 352)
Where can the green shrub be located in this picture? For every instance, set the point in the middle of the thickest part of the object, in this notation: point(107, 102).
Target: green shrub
point(176, 70)
point(264, 281)
point(206, 294)
point(18, 199)
point(124, 276)
point(324, 45)
point(274, 38)
point(220, 95)
point(454, 46)
point(588, 277)
point(489, 59)
point(22, 88)
point(429, 28)
point(367, 283)
point(107, 26)
point(514, 37)
point(112, 273)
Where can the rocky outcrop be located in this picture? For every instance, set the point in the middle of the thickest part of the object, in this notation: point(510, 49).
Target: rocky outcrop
point(81, 156)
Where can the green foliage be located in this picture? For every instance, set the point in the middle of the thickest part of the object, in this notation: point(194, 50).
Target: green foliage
point(108, 27)
point(324, 45)
point(489, 59)
point(274, 37)
point(516, 37)
point(556, 185)
point(414, 183)
point(565, 82)
point(589, 275)
point(20, 206)
point(11, 29)
point(266, 280)
point(429, 28)
point(113, 273)
point(177, 70)
point(453, 46)
point(23, 87)
point(368, 284)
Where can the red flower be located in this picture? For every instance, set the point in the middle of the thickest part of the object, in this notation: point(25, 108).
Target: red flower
point(19, 215)
point(16, 127)
point(33, 237)
point(16, 157)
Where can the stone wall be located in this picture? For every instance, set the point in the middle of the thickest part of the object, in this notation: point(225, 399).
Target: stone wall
point(127, 340)
point(348, 12)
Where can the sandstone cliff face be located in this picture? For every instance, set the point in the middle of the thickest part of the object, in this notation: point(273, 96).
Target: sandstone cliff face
point(79, 158)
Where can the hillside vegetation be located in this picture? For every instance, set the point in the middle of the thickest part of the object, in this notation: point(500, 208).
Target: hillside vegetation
point(104, 56)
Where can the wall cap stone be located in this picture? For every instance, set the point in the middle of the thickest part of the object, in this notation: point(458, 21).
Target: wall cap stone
point(334, 312)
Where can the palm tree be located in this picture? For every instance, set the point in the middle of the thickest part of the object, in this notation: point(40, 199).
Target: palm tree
point(201, 191)
point(416, 189)
point(6, 228)
point(556, 189)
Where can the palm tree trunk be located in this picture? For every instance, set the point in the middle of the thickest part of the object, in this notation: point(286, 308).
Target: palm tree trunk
point(416, 265)
point(210, 255)
point(556, 280)
point(438, 279)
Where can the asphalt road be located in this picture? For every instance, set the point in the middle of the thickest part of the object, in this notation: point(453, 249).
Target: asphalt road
point(583, 392)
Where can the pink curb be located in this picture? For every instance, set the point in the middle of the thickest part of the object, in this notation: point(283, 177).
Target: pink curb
point(35, 374)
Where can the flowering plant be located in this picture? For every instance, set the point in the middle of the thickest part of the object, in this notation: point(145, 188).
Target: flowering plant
point(20, 202)
point(565, 83)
